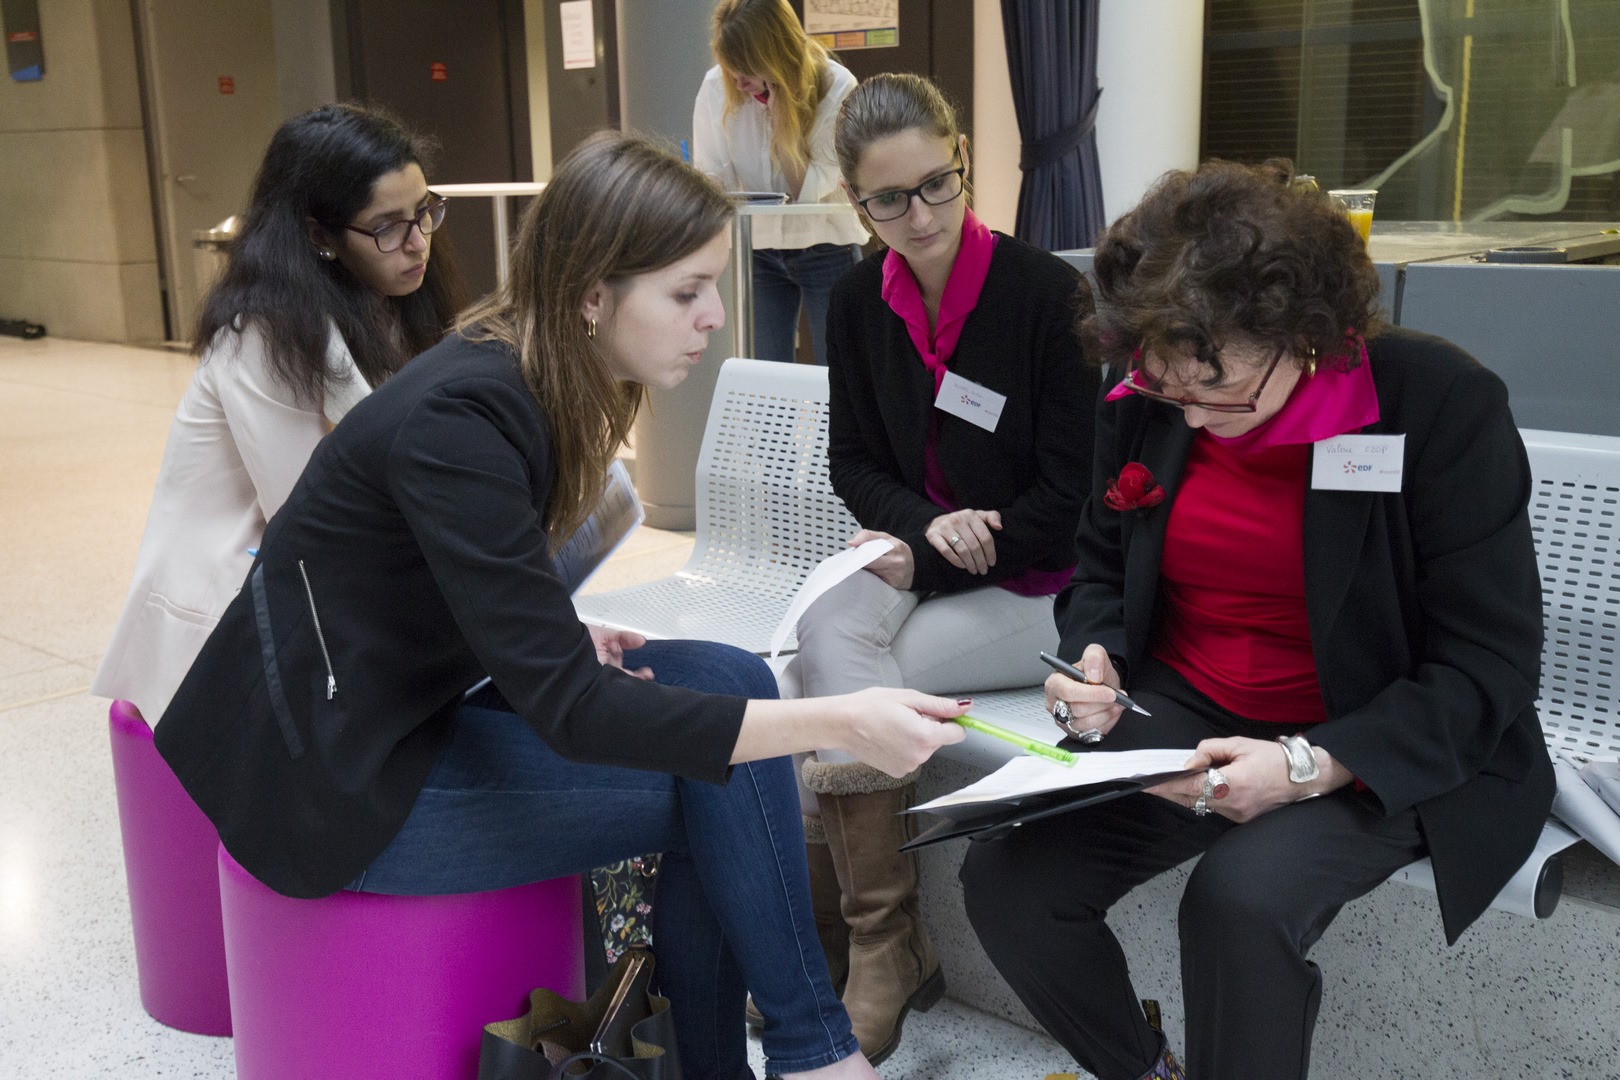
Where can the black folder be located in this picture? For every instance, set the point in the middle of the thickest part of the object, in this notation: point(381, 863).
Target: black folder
point(993, 820)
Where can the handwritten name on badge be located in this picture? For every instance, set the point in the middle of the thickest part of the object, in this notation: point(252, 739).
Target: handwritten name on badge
point(1358, 463)
point(965, 398)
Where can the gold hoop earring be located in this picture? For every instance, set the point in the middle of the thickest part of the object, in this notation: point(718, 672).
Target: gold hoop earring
point(590, 329)
point(1310, 363)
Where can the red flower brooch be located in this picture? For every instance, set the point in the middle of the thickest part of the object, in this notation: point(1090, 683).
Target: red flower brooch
point(1133, 489)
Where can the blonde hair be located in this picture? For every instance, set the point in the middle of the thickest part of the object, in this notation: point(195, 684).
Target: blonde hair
point(616, 207)
point(764, 39)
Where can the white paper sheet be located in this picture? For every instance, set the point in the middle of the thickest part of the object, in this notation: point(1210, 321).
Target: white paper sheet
point(823, 577)
point(1579, 807)
point(578, 34)
point(1031, 775)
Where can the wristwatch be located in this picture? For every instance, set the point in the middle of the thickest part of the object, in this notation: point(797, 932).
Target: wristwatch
point(1302, 766)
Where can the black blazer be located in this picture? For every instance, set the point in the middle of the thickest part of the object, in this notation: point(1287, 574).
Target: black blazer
point(1424, 608)
point(409, 560)
point(1019, 341)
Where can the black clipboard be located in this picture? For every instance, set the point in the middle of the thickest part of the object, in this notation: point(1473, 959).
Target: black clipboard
point(993, 820)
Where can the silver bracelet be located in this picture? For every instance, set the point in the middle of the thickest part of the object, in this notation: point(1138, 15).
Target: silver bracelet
point(1302, 766)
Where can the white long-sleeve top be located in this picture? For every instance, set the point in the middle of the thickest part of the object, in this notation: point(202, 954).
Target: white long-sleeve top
point(238, 443)
point(736, 151)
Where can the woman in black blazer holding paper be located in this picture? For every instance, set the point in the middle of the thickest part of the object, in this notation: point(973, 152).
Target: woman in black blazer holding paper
point(326, 727)
point(1307, 553)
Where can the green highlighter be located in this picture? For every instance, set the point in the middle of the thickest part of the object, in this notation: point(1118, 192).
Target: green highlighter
point(1023, 742)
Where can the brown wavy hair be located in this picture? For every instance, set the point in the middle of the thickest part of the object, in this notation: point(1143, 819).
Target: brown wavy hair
point(617, 206)
point(1229, 251)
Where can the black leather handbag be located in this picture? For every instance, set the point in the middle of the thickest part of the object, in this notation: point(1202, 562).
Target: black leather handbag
point(624, 1030)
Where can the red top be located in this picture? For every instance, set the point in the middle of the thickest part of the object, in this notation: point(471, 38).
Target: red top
point(1233, 583)
point(935, 347)
point(1233, 570)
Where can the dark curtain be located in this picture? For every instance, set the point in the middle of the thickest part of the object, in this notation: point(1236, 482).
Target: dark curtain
point(1052, 57)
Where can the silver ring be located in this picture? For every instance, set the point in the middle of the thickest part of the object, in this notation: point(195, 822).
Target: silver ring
point(1201, 807)
point(955, 540)
point(1065, 720)
point(1215, 784)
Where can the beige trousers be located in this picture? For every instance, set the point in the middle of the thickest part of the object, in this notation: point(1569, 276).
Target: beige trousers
point(863, 632)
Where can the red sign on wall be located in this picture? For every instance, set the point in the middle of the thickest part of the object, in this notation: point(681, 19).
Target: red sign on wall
point(438, 73)
point(227, 85)
point(18, 37)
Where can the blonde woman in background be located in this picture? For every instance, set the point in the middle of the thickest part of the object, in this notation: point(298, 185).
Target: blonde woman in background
point(764, 122)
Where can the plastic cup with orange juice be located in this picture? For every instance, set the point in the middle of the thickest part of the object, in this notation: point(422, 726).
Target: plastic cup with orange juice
point(1358, 207)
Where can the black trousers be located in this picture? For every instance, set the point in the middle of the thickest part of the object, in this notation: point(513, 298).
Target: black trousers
point(1262, 895)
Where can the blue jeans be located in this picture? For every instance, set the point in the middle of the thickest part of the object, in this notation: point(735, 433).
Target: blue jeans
point(782, 276)
point(732, 915)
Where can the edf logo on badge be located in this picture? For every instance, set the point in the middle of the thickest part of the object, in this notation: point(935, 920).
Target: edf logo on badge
point(1358, 463)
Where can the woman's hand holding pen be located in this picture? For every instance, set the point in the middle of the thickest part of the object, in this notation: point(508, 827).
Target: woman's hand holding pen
point(894, 568)
point(1256, 773)
point(1092, 703)
point(964, 538)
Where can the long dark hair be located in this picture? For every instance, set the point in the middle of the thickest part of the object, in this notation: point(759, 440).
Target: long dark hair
point(323, 165)
point(617, 206)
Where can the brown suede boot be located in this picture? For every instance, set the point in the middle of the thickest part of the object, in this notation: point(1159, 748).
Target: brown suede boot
point(824, 903)
point(892, 965)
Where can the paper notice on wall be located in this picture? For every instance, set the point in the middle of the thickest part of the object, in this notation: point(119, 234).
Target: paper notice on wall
point(853, 24)
point(578, 34)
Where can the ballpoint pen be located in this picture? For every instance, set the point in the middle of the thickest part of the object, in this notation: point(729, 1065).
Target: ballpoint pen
point(1023, 742)
point(1079, 676)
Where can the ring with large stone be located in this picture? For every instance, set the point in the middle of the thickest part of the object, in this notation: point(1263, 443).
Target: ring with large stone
point(1215, 784)
point(1201, 807)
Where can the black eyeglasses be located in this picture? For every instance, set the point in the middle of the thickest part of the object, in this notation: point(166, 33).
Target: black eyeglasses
point(935, 191)
point(1249, 406)
point(391, 237)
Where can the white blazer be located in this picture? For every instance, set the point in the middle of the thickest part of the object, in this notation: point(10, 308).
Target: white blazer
point(736, 151)
point(238, 443)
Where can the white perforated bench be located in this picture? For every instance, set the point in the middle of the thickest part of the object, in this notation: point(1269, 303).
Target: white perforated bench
point(766, 515)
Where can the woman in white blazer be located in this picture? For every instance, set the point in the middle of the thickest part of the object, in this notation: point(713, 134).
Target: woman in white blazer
point(328, 290)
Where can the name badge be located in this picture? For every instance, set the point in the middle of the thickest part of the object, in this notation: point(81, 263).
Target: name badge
point(965, 398)
point(1358, 463)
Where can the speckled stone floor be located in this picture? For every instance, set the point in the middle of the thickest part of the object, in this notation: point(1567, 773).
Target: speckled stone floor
point(81, 434)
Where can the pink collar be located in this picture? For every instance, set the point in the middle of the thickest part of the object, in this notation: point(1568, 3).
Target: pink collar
point(1330, 403)
point(968, 273)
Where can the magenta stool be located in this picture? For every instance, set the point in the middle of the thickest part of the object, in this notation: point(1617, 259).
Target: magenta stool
point(169, 862)
point(359, 985)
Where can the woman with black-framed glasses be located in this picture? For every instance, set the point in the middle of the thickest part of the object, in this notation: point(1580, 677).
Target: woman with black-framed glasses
point(1307, 554)
point(327, 291)
point(960, 431)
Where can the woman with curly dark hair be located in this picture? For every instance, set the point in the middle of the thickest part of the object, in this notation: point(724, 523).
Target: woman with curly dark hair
point(1307, 553)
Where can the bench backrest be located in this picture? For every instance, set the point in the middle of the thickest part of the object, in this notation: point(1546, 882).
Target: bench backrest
point(766, 512)
point(1575, 515)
